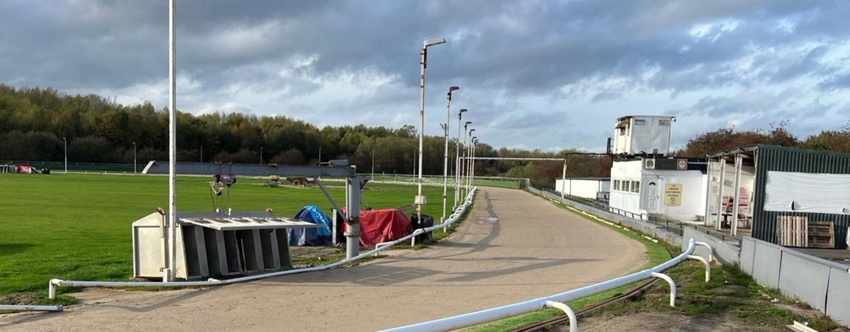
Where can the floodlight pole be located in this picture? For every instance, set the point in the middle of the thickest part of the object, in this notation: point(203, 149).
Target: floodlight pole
point(170, 273)
point(469, 160)
point(457, 160)
point(134, 157)
point(472, 144)
point(463, 160)
point(261, 155)
point(66, 153)
point(423, 64)
point(446, 153)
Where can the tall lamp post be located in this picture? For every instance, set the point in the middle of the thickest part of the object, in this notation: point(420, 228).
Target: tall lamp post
point(457, 159)
point(261, 155)
point(446, 153)
point(134, 157)
point(468, 160)
point(474, 144)
point(66, 153)
point(423, 64)
point(463, 160)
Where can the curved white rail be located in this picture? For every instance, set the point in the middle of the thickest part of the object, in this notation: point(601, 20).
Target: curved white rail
point(489, 315)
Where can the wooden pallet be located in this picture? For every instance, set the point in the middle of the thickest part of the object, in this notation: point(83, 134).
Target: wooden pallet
point(792, 231)
point(821, 234)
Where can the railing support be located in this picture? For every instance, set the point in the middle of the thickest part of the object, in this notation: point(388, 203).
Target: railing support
point(669, 282)
point(710, 250)
point(704, 262)
point(567, 310)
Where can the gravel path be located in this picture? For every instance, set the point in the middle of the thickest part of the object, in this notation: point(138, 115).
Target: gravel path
point(513, 247)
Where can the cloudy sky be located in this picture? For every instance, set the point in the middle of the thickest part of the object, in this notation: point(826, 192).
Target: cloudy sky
point(534, 74)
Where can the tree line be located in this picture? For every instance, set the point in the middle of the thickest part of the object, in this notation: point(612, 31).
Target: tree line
point(36, 124)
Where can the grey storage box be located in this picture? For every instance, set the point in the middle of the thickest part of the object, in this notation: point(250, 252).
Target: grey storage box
point(214, 244)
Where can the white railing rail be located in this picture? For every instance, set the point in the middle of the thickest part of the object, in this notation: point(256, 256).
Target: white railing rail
point(493, 314)
point(215, 282)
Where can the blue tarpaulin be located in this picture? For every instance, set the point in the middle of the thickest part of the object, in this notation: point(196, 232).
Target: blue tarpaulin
point(321, 236)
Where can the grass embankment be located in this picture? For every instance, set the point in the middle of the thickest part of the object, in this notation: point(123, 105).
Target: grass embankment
point(78, 226)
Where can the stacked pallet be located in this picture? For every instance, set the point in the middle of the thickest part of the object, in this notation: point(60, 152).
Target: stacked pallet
point(792, 231)
point(821, 234)
point(798, 231)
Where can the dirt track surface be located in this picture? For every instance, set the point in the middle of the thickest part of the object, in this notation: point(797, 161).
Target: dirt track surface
point(513, 247)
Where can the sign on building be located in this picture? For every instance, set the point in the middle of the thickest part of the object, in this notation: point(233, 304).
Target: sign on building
point(673, 194)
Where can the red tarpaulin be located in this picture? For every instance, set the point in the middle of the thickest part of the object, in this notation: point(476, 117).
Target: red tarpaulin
point(23, 169)
point(385, 225)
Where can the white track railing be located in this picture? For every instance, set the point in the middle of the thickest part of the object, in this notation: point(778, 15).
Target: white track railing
point(557, 300)
point(14, 307)
point(215, 282)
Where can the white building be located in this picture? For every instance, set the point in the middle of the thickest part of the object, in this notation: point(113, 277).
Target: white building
point(643, 134)
point(644, 180)
point(668, 186)
point(583, 187)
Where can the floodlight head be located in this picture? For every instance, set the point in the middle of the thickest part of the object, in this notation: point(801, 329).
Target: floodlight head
point(453, 88)
point(432, 42)
point(470, 132)
point(468, 123)
point(463, 110)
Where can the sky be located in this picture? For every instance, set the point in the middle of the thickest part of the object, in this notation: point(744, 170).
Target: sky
point(534, 74)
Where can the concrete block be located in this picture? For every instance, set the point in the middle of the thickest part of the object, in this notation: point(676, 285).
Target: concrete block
point(805, 279)
point(838, 296)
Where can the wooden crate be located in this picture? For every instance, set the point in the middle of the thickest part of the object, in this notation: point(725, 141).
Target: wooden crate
point(792, 231)
point(821, 234)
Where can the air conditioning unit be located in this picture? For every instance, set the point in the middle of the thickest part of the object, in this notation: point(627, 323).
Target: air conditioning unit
point(649, 163)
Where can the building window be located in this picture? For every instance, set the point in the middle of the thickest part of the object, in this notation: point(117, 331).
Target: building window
point(635, 186)
point(616, 184)
point(640, 122)
point(664, 123)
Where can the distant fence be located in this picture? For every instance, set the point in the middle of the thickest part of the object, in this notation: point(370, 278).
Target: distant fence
point(504, 182)
point(78, 167)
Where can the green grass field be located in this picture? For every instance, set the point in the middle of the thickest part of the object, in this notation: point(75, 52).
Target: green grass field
point(78, 226)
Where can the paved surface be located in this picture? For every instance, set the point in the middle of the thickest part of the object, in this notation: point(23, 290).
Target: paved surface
point(513, 247)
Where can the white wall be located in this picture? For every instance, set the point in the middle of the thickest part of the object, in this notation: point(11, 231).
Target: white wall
point(625, 172)
point(586, 188)
point(691, 200)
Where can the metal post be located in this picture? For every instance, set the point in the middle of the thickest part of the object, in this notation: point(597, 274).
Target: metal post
point(421, 133)
point(707, 211)
point(472, 160)
point(373, 164)
point(457, 160)
point(423, 64)
point(169, 274)
point(463, 162)
point(352, 220)
point(739, 162)
point(720, 211)
point(261, 155)
point(469, 163)
point(446, 153)
point(564, 178)
point(66, 153)
point(134, 157)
